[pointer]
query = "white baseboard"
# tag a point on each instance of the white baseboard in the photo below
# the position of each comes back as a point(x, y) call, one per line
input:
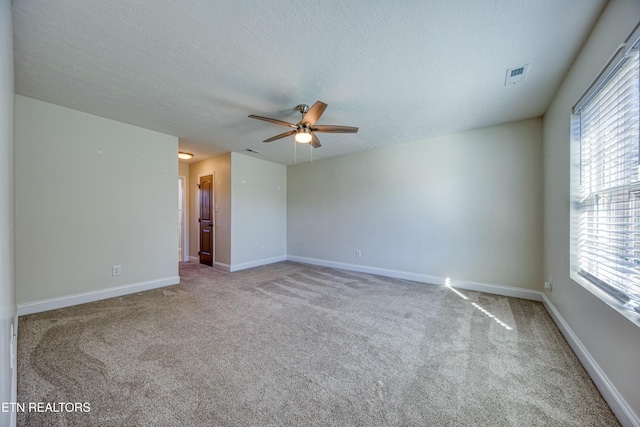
point(219, 265)
point(85, 297)
point(222, 266)
point(433, 280)
point(237, 267)
point(616, 402)
point(257, 263)
point(14, 372)
point(506, 291)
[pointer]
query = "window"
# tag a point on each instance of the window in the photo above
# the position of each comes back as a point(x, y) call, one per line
point(606, 190)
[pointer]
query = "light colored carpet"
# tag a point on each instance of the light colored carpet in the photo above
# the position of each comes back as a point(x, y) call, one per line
point(296, 345)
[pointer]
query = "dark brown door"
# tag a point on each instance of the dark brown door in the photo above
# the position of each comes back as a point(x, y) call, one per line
point(206, 220)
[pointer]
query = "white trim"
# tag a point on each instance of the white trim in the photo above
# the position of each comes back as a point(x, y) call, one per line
point(489, 288)
point(606, 297)
point(371, 270)
point(257, 263)
point(222, 266)
point(184, 233)
point(193, 259)
point(506, 291)
point(85, 297)
point(14, 372)
point(616, 402)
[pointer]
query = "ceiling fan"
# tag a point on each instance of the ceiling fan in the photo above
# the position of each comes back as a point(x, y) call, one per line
point(305, 129)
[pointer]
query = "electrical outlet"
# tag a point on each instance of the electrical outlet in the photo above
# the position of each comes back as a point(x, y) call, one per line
point(548, 285)
point(358, 253)
point(116, 270)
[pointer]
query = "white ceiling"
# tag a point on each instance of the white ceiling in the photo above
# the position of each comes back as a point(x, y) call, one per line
point(400, 71)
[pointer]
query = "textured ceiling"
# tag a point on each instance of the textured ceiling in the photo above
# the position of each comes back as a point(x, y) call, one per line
point(400, 71)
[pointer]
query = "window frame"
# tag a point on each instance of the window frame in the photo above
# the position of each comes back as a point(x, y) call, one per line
point(597, 287)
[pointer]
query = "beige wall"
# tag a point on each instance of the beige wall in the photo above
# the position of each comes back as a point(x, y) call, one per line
point(183, 169)
point(91, 193)
point(611, 340)
point(221, 167)
point(259, 215)
point(7, 219)
point(466, 205)
point(253, 232)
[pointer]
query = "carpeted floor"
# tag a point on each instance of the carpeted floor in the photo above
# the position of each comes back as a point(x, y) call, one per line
point(296, 345)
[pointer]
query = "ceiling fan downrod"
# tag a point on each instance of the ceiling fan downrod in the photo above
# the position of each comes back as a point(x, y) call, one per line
point(302, 108)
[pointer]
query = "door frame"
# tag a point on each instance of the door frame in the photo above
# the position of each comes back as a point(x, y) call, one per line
point(197, 215)
point(185, 218)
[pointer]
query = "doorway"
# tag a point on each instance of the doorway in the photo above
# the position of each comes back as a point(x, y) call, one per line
point(206, 220)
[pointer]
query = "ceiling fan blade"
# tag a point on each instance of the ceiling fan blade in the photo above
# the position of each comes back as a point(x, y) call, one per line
point(278, 122)
point(334, 129)
point(315, 142)
point(282, 135)
point(314, 113)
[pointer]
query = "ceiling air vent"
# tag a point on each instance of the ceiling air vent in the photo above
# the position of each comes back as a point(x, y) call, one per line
point(516, 75)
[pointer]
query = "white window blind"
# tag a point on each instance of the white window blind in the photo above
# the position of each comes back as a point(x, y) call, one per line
point(608, 205)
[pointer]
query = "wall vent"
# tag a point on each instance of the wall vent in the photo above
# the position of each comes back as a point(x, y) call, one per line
point(516, 75)
point(251, 150)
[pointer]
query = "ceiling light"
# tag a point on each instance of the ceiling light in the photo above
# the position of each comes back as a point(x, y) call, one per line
point(184, 156)
point(303, 135)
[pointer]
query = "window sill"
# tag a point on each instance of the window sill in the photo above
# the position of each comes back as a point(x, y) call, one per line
point(612, 302)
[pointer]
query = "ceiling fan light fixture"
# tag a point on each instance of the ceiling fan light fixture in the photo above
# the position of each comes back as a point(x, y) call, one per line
point(184, 156)
point(303, 136)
